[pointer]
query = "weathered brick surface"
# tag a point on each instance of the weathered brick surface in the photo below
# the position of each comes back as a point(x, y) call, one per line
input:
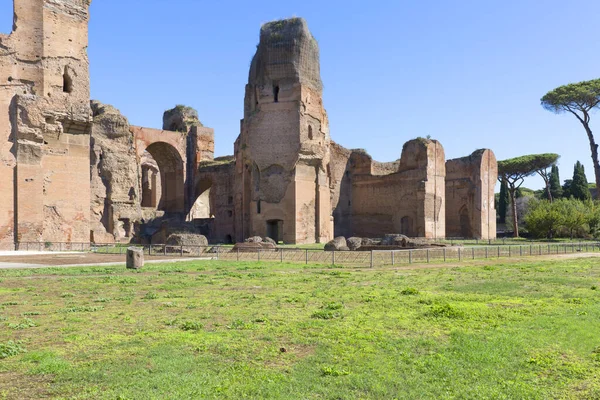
point(45, 123)
point(287, 179)
point(470, 186)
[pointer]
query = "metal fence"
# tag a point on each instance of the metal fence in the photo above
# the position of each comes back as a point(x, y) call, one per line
point(374, 258)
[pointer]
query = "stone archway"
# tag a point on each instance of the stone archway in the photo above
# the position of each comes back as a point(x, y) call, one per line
point(203, 206)
point(171, 172)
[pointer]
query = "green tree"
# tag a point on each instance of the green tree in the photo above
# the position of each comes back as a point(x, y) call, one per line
point(545, 161)
point(543, 219)
point(513, 171)
point(503, 201)
point(573, 214)
point(579, 187)
point(556, 190)
point(567, 188)
point(578, 99)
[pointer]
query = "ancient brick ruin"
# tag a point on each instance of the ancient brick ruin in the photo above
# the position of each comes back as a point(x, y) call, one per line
point(72, 170)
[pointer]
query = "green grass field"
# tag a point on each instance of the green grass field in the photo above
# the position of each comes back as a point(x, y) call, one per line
point(227, 330)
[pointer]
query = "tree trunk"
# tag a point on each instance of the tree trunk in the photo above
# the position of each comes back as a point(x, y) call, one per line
point(594, 148)
point(548, 189)
point(513, 200)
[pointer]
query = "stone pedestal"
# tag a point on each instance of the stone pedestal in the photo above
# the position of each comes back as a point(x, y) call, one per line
point(135, 258)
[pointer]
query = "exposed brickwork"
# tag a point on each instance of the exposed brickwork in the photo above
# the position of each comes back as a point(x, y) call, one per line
point(286, 180)
point(470, 184)
point(45, 122)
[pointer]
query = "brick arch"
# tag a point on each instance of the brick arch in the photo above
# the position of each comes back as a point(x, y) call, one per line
point(169, 151)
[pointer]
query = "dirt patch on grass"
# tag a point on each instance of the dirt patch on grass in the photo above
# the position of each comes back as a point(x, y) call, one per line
point(24, 387)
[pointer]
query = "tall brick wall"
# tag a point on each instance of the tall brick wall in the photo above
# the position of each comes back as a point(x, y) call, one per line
point(283, 149)
point(45, 123)
point(409, 200)
point(470, 187)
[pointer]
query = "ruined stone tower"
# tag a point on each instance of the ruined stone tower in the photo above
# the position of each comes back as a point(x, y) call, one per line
point(44, 123)
point(282, 154)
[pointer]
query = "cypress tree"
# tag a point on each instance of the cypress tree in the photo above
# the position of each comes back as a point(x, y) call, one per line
point(579, 187)
point(555, 189)
point(503, 202)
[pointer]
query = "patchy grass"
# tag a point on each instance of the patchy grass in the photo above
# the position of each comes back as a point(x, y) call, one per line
point(265, 330)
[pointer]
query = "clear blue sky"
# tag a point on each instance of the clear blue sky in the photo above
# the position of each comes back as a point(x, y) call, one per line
point(469, 73)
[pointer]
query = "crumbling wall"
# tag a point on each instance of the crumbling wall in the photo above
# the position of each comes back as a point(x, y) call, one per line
point(409, 201)
point(45, 123)
point(217, 178)
point(470, 187)
point(115, 189)
point(283, 147)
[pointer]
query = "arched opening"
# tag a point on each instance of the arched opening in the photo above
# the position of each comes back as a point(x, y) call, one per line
point(276, 93)
point(163, 178)
point(228, 239)
point(465, 223)
point(203, 207)
point(310, 133)
point(275, 229)
point(67, 81)
point(151, 185)
point(406, 226)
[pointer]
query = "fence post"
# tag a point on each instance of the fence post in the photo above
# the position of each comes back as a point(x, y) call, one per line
point(371, 258)
point(164, 249)
point(258, 253)
point(306, 256)
point(444, 254)
point(410, 256)
point(218, 251)
point(520, 250)
point(510, 251)
point(459, 256)
point(498, 251)
point(238, 254)
point(487, 252)
point(473, 251)
point(393, 259)
point(333, 258)
point(427, 256)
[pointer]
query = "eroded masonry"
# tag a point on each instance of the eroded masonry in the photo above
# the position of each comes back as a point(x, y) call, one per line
point(72, 170)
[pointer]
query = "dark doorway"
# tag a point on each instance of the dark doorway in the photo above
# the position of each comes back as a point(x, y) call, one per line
point(465, 223)
point(406, 226)
point(275, 230)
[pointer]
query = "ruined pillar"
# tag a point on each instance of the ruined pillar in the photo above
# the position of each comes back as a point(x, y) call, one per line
point(284, 143)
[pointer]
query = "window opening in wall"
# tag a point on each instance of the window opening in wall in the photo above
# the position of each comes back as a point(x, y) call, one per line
point(67, 82)
point(230, 200)
point(276, 93)
point(258, 207)
point(310, 132)
point(230, 214)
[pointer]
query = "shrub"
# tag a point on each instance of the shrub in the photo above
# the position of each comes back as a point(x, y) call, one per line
point(191, 326)
point(445, 311)
point(10, 349)
point(409, 292)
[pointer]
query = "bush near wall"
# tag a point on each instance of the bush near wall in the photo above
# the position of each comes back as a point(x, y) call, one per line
point(563, 218)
